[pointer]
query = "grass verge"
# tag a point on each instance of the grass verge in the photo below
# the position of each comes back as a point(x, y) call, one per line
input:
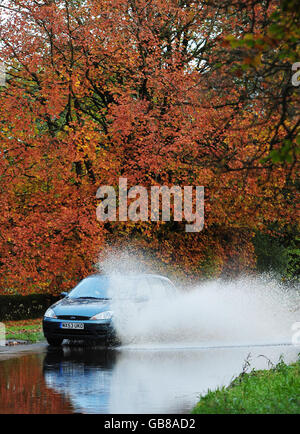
point(28, 330)
point(274, 391)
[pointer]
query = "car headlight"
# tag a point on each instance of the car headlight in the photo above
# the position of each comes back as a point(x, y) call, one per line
point(103, 315)
point(50, 313)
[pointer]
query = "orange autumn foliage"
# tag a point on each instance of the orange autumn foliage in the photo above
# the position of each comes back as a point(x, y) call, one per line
point(144, 90)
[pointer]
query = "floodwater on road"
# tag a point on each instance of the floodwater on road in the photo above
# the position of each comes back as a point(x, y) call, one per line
point(77, 379)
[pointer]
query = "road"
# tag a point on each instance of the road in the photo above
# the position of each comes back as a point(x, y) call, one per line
point(162, 379)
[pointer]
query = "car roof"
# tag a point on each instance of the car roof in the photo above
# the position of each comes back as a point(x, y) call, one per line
point(135, 276)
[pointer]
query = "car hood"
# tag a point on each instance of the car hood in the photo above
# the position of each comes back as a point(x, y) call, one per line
point(80, 307)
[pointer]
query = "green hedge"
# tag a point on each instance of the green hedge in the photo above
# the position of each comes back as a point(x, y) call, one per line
point(18, 307)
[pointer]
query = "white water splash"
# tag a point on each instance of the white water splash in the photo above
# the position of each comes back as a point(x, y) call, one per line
point(246, 310)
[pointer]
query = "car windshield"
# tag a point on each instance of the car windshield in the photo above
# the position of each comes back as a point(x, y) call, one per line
point(140, 288)
point(122, 287)
point(91, 287)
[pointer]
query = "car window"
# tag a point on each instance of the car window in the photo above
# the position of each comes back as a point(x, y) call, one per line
point(142, 289)
point(157, 287)
point(169, 287)
point(129, 287)
point(137, 288)
point(94, 286)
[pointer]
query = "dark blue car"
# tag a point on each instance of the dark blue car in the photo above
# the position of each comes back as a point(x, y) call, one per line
point(86, 312)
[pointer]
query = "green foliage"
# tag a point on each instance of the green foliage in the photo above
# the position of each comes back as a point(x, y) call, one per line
point(17, 307)
point(285, 153)
point(278, 254)
point(209, 266)
point(275, 391)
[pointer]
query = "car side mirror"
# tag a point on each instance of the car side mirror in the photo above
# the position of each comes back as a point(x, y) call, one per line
point(64, 294)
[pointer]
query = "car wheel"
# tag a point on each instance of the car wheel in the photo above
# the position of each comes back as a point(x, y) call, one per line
point(54, 342)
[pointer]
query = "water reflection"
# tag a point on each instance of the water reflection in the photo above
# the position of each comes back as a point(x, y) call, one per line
point(147, 380)
point(82, 374)
point(23, 389)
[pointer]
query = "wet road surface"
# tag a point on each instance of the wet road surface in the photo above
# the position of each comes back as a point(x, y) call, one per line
point(77, 379)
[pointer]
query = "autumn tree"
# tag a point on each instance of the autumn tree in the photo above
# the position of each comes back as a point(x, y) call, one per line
point(154, 91)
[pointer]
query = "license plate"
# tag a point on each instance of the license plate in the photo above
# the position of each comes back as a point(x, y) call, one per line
point(72, 325)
